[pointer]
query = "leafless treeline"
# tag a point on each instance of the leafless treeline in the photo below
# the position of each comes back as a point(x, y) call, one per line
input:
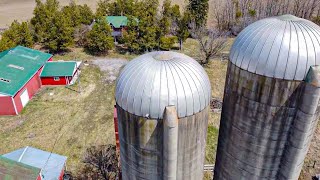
point(234, 15)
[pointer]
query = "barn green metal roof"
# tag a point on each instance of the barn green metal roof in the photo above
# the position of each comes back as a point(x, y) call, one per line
point(55, 69)
point(117, 21)
point(17, 66)
point(11, 170)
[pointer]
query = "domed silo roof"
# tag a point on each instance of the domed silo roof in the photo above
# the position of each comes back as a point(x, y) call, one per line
point(155, 80)
point(282, 47)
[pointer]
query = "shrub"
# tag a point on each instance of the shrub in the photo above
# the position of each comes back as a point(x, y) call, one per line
point(167, 42)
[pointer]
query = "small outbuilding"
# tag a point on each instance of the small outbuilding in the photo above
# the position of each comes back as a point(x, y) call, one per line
point(60, 73)
point(32, 164)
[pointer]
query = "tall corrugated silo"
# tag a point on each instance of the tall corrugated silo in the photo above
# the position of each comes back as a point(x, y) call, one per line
point(271, 100)
point(162, 106)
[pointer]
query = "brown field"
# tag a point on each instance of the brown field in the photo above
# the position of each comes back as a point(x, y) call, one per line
point(21, 10)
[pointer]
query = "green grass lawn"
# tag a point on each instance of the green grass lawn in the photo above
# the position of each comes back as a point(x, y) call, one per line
point(74, 120)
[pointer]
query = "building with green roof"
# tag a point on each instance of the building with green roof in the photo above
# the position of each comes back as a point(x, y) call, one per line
point(118, 24)
point(20, 70)
point(60, 73)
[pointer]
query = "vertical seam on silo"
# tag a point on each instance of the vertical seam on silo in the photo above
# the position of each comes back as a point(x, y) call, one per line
point(284, 31)
point(289, 50)
point(154, 76)
point(295, 73)
point(185, 98)
point(255, 35)
point(258, 42)
point(201, 75)
point(167, 77)
point(315, 31)
point(266, 63)
point(121, 79)
point(264, 44)
point(175, 87)
point(144, 88)
point(307, 49)
point(127, 81)
point(241, 41)
point(190, 75)
point(160, 113)
point(135, 93)
point(177, 65)
point(246, 40)
point(133, 77)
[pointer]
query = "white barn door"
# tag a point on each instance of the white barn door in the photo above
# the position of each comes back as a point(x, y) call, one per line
point(24, 98)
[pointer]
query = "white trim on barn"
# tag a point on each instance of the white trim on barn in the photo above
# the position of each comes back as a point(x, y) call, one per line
point(14, 105)
point(24, 97)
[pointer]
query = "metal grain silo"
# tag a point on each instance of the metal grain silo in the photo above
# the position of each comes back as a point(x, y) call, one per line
point(162, 106)
point(271, 100)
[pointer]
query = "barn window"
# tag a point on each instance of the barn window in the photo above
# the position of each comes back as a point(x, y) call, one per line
point(56, 78)
point(5, 80)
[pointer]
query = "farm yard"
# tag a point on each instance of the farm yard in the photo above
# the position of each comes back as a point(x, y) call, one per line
point(70, 122)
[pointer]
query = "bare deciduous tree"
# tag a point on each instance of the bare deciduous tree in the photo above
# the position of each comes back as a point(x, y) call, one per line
point(101, 162)
point(234, 15)
point(211, 42)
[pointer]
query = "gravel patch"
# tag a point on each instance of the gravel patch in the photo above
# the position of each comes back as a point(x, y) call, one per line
point(111, 67)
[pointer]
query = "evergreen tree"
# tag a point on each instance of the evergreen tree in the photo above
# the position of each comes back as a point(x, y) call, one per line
point(99, 39)
point(103, 8)
point(198, 10)
point(60, 36)
point(25, 35)
point(130, 36)
point(147, 26)
point(182, 31)
point(43, 16)
point(164, 22)
point(86, 14)
point(17, 34)
point(72, 13)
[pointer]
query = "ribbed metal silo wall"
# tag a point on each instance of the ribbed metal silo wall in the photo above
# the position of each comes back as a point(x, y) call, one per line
point(257, 115)
point(142, 146)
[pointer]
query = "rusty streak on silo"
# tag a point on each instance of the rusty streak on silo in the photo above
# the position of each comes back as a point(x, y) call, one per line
point(271, 100)
point(162, 104)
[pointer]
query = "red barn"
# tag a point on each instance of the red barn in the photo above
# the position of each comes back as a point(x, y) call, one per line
point(20, 70)
point(60, 73)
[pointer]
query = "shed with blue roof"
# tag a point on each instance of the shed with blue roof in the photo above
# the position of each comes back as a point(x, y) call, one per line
point(33, 164)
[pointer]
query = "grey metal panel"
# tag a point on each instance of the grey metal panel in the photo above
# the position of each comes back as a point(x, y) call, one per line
point(155, 80)
point(283, 47)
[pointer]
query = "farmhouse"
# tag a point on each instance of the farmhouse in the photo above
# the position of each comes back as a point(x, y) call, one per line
point(118, 24)
point(20, 70)
point(29, 163)
point(60, 73)
point(22, 73)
